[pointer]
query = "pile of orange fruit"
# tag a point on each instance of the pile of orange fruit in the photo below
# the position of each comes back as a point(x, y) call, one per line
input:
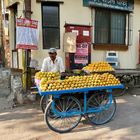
point(98, 67)
point(74, 82)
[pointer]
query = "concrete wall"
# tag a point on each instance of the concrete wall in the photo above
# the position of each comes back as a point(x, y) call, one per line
point(12, 30)
point(76, 14)
point(129, 58)
point(6, 98)
point(72, 11)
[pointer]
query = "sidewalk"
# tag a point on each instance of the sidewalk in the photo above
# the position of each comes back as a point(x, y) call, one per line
point(27, 123)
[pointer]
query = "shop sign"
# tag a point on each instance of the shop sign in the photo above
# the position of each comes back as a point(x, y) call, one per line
point(27, 34)
point(127, 5)
point(81, 55)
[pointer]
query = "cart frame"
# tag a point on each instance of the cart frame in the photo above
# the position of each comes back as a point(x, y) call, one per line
point(85, 109)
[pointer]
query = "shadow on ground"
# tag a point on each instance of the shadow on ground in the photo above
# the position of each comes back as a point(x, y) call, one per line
point(124, 126)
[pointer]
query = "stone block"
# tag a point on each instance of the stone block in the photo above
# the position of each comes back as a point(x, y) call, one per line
point(5, 104)
point(4, 92)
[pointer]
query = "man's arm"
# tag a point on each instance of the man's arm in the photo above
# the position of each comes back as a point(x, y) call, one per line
point(44, 66)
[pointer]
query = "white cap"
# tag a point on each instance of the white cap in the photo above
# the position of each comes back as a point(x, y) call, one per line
point(52, 50)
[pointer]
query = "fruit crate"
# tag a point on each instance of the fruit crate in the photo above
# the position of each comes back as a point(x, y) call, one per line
point(101, 72)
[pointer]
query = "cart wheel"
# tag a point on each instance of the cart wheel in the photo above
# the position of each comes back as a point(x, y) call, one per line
point(104, 106)
point(63, 114)
point(43, 102)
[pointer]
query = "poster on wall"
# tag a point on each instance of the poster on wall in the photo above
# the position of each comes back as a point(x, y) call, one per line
point(81, 55)
point(70, 42)
point(27, 34)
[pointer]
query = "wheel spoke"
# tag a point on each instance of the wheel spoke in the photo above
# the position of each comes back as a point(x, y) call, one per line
point(69, 122)
point(93, 103)
point(63, 105)
point(73, 105)
point(69, 104)
point(60, 104)
point(54, 121)
point(58, 107)
point(104, 113)
point(64, 123)
point(97, 101)
point(98, 98)
point(72, 120)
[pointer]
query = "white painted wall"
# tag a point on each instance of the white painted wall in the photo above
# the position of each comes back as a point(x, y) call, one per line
point(20, 7)
point(128, 59)
point(72, 11)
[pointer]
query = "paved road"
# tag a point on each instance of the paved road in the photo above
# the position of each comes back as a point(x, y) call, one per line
point(26, 123)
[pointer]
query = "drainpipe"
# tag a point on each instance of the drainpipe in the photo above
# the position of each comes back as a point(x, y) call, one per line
point(1, 36)
point(26, 54)
point(0, 24)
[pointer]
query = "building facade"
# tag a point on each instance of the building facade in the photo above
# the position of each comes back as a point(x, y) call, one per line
point(115, 26)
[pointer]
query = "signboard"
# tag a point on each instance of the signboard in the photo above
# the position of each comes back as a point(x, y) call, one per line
point(70, 42)
point(26, 34)
point(81, 55)
point(126, 5)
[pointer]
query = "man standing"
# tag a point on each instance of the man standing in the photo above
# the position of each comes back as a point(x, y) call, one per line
point(53, 63)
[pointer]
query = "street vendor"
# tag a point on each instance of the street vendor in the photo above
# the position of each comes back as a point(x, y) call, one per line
point(53, 63)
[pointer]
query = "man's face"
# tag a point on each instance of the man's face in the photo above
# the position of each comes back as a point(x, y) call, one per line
point(52, 55)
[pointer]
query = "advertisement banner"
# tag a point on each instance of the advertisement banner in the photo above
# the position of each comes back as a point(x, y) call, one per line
point(81, 55)
point(27, 34)
point(81, 59)
point(70, 42)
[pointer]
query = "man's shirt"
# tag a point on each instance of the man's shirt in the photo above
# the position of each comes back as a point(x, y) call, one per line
point(49, 66)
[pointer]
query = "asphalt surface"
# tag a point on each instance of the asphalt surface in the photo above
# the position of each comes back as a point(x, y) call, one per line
point(27, 123)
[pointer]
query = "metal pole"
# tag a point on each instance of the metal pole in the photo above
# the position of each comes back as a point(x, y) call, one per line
point(0, 23)
point(26, 53)
point(1, 36)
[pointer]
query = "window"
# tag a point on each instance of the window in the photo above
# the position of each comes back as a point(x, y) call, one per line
point(50, 26)
point(110, 27)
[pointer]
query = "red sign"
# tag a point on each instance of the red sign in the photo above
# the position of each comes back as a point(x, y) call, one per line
point(81, 59)
point(81, 55)
point(26, 33)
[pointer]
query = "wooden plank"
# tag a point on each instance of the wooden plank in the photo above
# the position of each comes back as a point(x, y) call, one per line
point(110, 47)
